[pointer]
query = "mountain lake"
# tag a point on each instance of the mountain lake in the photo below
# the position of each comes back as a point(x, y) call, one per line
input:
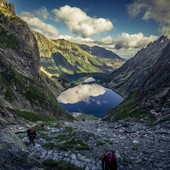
point(91, 99)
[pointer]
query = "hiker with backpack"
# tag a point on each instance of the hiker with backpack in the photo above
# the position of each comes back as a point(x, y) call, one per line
point(109, 161)
point(31, 133)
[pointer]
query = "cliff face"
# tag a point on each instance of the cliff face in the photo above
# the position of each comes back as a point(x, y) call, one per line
point(135, 71)
point(150, 95)
point(21, 85)
point(156, 89)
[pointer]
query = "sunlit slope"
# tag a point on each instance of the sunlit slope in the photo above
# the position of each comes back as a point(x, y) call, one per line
point(61, 56)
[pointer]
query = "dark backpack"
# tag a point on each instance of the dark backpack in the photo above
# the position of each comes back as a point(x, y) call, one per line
point(110, 156)
point(109, 161)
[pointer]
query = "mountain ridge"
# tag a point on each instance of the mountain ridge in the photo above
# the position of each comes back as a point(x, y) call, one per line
point(134, 72)
point(23, 89)
point(70, 58)
point(149, 100)
point(100, 51)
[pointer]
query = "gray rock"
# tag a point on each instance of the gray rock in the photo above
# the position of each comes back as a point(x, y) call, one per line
point(73, 156)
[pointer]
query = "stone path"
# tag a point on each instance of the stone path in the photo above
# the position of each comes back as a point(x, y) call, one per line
point(83, 143)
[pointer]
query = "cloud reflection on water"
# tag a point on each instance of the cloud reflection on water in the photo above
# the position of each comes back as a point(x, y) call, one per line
point(81, 93)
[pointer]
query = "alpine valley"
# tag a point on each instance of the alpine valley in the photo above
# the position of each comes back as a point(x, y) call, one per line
point(39, 75)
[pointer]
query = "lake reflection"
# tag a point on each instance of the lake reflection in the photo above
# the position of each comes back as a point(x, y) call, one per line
point(90, 99)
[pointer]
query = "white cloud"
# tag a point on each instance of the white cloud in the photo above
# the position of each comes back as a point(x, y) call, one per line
point(125, 45)
point(126, 53)
point(39, 25)
point(157, 10)
point(42, 12)
point(128, 41)
point(80, 23)
point(81, 93)
point(39, 13)
point(78, 40)
point(105, 40)
point(165, 29)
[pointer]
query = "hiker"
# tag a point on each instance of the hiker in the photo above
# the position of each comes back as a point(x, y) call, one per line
point(109, 161)
point(31, 133)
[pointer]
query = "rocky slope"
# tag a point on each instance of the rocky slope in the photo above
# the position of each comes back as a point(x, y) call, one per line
point(14, 154)
point(135, 71)
point(61, 56)
point(21, 85)
point(151, 98)
point(155, 91)
point(84, 143)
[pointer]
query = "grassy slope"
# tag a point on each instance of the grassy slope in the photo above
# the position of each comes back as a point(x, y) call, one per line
point(130, 108)
point(70, 58)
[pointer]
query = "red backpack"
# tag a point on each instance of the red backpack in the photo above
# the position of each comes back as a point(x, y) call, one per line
point(109, 156)
point(109, 161)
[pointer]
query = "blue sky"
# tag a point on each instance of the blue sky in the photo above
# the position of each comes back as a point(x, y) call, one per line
point(126, 24)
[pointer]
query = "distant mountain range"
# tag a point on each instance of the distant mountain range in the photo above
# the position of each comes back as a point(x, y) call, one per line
point(100, 52)
point(64, 57)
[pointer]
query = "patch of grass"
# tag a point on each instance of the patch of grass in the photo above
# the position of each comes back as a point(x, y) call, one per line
point(68, 141)
point(68, 129)
point(100, 143)
point(129, 108)
point(9, 92)
point(74, 144)
point(45, 136)
point(31, 116)
point(145, 152)
point(66, 134)
point(8, 40)
point(50, 145)
point(86, 117)
point(151, 120)
point(39, 127)
point(62, 137)
point(108, 141)
point(59, 165)
point(135, 147)
point(126, 160)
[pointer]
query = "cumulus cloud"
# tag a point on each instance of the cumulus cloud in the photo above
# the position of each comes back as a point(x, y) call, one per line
point(39, 13)
point(125, 45)
point(126, 53)
point(81, 93)
point(127, 41)
point(80, 23)
point(39, 25)
point(42, 12)
point(78, 40)
point(105, 40)
point(157, 10)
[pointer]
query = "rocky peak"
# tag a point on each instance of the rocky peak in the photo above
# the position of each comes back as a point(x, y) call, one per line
point(135, 71)
point(162, 38)
point(7, 8)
